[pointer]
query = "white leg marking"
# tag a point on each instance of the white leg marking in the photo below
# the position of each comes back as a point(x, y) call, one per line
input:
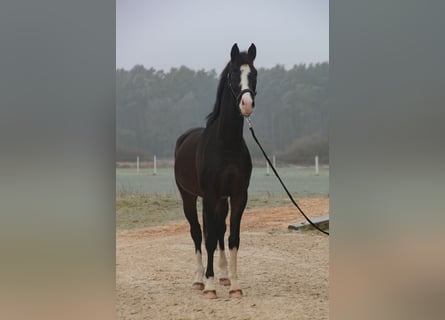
point(233, 270)
point(210, 284)
point(199, 269)
point(223, 265)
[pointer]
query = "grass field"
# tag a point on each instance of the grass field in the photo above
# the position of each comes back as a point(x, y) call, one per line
point(145, 199)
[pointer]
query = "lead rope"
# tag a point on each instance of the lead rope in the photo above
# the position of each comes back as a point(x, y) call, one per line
point(281, 181)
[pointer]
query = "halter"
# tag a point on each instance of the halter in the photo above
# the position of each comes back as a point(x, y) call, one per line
point(238, 97)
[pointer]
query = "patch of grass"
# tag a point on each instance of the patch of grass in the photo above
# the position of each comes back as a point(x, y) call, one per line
point(145, 210)
point(266, 201)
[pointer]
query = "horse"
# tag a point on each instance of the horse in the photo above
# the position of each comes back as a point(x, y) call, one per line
point(214, 163)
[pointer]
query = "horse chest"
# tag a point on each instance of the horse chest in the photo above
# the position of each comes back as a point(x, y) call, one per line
point(228, 181)
point(227, 177)
point(225, 163)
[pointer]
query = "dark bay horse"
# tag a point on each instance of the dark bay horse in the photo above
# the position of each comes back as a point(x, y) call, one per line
point(214, 163)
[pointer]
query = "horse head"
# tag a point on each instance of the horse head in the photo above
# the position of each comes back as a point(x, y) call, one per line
point(242, 78)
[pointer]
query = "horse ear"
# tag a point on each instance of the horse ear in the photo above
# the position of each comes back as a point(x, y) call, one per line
point(252, 52)
point(235, 52)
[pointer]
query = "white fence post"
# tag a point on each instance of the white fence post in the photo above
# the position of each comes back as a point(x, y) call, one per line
point(267, 168)
point(155, 170)
point(274, 162)
point(316, 166)
point(137, 164)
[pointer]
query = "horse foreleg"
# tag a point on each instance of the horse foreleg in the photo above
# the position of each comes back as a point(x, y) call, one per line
point(237, 204)
point(211, 239)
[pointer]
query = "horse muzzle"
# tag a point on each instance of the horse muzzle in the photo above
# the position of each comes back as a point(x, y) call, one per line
point(246, 102)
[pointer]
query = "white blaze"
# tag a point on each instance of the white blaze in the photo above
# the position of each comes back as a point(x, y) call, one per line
point(246, 103)
point(245, 70)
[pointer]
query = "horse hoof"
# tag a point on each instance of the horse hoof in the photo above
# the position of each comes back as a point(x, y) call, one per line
point(224, 282)
point(236, 293)
point(198, 286)
point(209, 294)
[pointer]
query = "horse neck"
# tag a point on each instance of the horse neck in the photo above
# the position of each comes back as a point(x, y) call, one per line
point(229, 123)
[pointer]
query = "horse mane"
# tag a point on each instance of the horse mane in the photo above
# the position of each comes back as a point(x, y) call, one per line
point(212, 116)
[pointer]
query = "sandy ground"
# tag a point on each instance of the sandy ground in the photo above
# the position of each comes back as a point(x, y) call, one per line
point(283, 274)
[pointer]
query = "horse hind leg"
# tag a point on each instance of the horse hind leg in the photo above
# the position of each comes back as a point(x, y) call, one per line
point(237, 205)
point(221, 212)
point(189, 206)
point(211, 241)
point(223, 268)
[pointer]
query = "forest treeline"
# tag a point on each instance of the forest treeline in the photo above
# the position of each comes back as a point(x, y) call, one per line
point(291, 110)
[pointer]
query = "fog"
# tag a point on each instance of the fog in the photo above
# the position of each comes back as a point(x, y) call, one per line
point(199, 34)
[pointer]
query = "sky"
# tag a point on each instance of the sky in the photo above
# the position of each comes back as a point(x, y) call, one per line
point(199, 34)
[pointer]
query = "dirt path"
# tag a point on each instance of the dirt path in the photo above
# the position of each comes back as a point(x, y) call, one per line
point(284, 274)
